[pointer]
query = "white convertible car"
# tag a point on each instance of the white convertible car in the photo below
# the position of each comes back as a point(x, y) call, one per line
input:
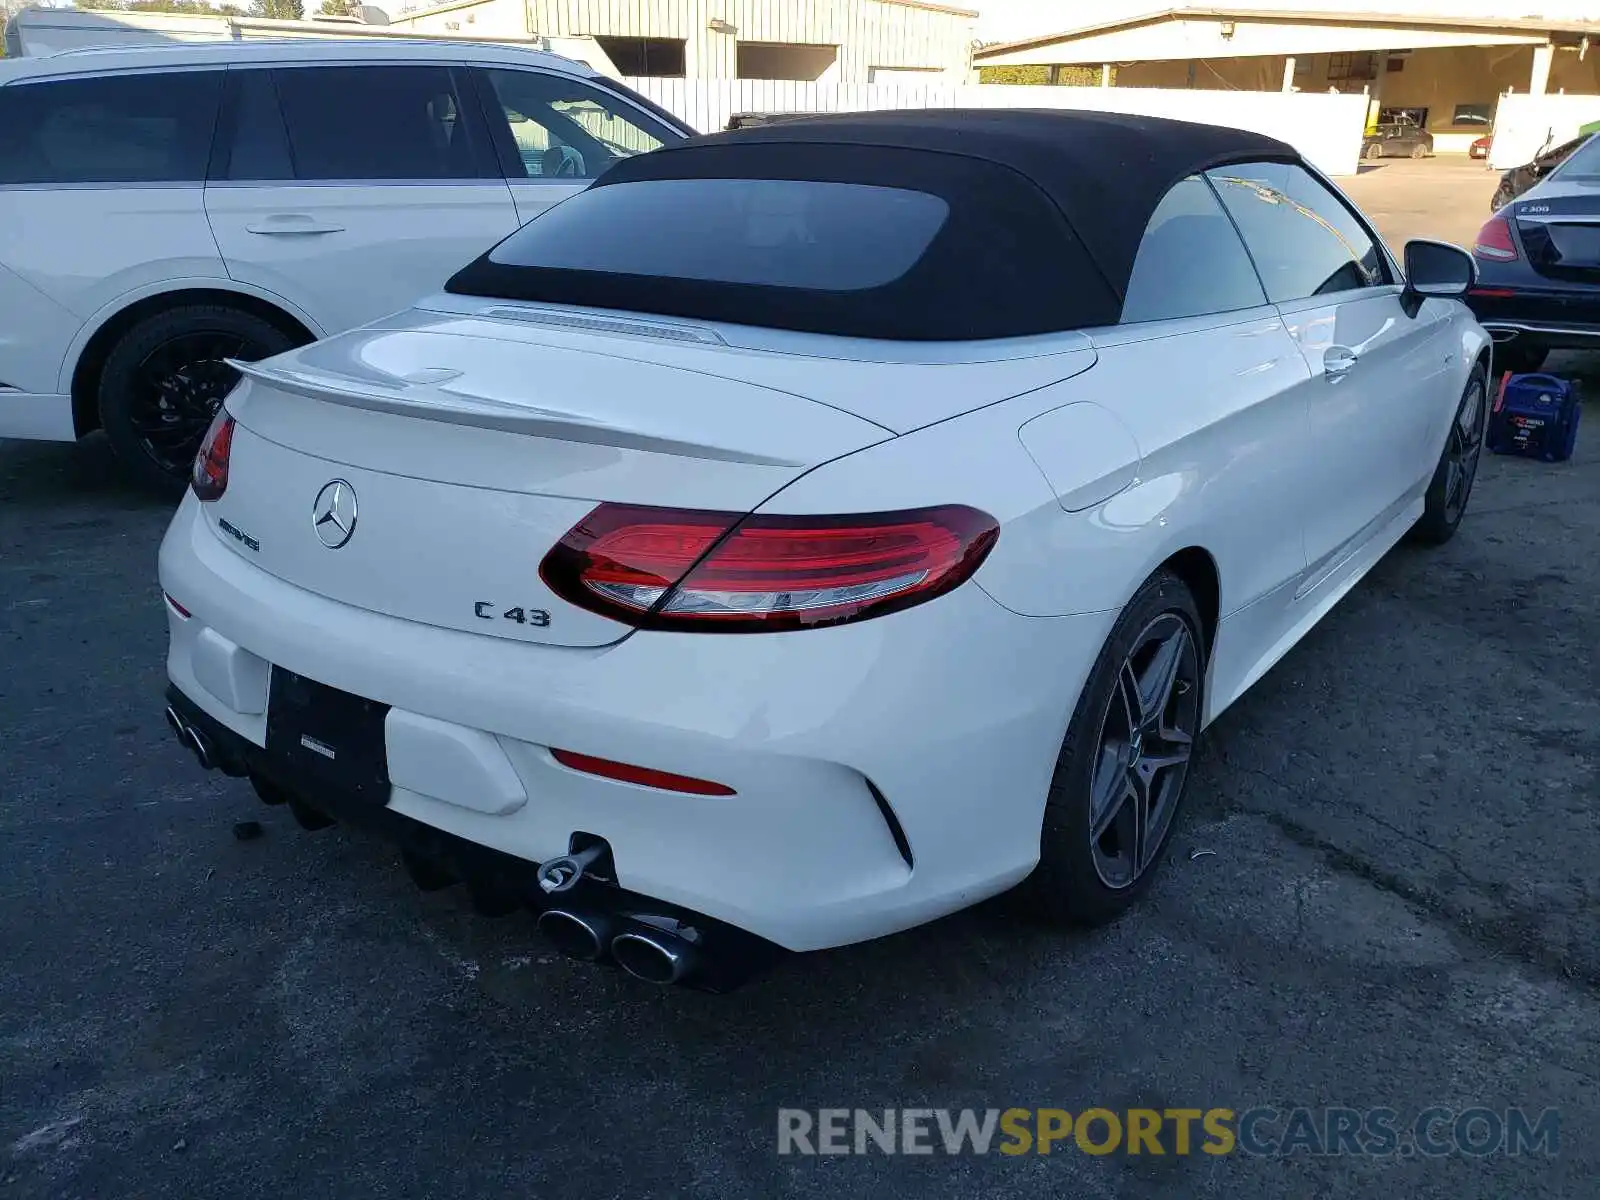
point(811, 530)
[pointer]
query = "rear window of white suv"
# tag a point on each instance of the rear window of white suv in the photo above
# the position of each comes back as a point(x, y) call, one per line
point(152, 127)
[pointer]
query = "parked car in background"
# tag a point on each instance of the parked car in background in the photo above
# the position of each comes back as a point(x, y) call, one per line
point(1519, 179)
point(186, 205)
point(1398, 141)
point(1481, 147)
point(1538, 258)
point(797, 535)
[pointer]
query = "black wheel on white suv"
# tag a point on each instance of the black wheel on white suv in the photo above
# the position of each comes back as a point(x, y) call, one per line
point(1124, 764)
point(165, 378)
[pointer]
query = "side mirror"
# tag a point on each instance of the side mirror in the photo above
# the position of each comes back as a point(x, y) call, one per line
point(1439, 269)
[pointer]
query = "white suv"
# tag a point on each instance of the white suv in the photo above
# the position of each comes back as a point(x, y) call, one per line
point(163, 209)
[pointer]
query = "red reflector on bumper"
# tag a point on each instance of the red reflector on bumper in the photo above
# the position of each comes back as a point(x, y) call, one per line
point(644, 776)
point(177, 608)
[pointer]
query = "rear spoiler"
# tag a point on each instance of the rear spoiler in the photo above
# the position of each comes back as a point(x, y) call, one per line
point(424, 397)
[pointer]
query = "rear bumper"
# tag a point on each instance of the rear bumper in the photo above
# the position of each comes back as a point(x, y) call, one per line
point(35, 416)
point(1550, 336)
point(885, 773)
point(1556, 319)
point(728, 956)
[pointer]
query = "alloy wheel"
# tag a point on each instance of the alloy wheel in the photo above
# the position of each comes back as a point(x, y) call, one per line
point(1464, 450)
point(177, 389)
point(1146, 739)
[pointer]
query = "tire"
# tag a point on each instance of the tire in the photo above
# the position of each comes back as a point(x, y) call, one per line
point(1519, 360)
point(1451, 487)
point(1419, 151)
point(1373, 151)
point(164, 379)
point(1077, 881)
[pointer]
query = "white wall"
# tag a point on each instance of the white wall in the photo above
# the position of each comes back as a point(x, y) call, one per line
point(868, 33)
point(1524, 126)
point(1014, 20)
point(1326, 129)
point(1193, 38)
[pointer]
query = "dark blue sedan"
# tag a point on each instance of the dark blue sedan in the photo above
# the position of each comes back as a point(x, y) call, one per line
point(1538, 285)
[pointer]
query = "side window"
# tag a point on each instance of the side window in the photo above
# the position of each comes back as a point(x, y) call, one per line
point(1191, 260)
point(150, 128)
point(1304, 240)
point(377, 122)
point(257, 142)
point(558, 128)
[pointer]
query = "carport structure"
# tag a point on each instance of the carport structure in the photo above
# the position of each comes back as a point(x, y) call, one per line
point(1445, 73)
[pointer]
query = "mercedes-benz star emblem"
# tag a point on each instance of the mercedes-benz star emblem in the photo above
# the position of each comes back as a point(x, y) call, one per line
point(333, 516)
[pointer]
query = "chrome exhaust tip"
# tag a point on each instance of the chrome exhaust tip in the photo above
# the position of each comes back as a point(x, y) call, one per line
point(651, 958)
point(201, 745)
point(175, 723)
point(574, 936)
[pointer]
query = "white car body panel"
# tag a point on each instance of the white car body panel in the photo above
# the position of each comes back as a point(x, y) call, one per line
point(789, 720)
point(1383, 411)
point(53, 288)
point(901, 386)
point(647, 434)
point(323, 246)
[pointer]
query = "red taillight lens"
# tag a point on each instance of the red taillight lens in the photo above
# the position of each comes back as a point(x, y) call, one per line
point(1494, 241)
point(644, 776)
point(210, 477)
point(717, 572)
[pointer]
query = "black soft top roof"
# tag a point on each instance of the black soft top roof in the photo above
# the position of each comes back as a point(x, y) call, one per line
point(1047, 210)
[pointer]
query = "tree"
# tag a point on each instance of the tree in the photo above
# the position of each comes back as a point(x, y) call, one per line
point(198, 8)
point(280, 10)
point(1040, 75)
point(341, 8)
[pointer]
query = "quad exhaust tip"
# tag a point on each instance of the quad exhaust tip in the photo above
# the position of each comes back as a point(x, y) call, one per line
point(651, 958)
point(575, 936)
point(197, 742)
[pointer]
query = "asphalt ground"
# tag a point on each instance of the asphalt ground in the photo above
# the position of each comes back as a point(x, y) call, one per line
point(1382, 895)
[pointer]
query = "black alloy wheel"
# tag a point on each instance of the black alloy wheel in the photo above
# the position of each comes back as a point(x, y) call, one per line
point(165, 378)
point(1123, 766)
point(1146, 738)
point(177, 389)
point(1464, 450)
point(1451, 488)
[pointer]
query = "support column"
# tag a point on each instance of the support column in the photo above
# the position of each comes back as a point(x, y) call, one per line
point(1543, 57)
point(1288, 73)
point(1105, 75)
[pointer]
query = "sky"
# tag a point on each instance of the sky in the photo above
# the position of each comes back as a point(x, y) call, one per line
point(1013, 20)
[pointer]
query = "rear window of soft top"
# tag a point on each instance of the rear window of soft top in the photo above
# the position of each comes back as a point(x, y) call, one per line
point(785, 233)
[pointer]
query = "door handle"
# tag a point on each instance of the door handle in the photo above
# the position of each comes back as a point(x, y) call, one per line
point(291, 226)
point(1337, 361)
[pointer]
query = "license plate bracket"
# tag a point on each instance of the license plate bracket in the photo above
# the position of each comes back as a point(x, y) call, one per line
point(322, 738)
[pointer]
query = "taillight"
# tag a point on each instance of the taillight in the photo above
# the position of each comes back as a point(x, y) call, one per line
point(210, 477)
point(1494, 241)
point(658, 568)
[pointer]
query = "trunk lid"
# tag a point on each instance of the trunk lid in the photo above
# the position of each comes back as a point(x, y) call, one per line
point(900, 386)
point(465, 455)
point(1561, 235)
